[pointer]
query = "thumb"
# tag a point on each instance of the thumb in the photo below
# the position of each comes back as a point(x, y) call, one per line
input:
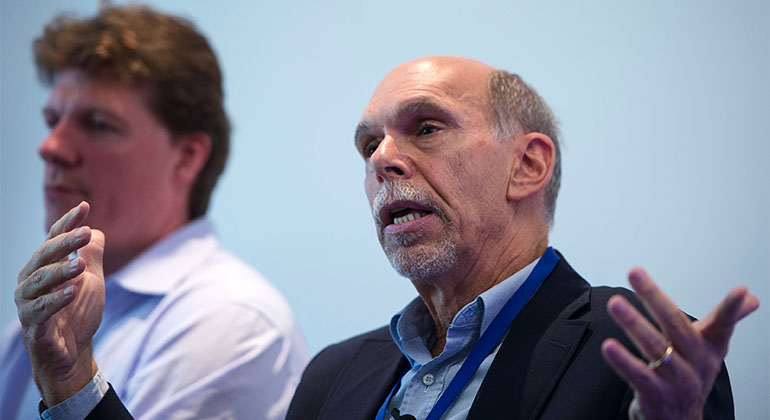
point(717, 326)
point(93, 253)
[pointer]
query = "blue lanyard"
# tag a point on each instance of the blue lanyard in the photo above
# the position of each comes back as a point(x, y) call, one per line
point(489, 339)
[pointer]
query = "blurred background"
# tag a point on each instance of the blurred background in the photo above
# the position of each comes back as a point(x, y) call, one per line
point(664, 110)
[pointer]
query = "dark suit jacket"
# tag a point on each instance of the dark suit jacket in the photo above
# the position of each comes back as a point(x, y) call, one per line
point(110, 407)
point(548, 367)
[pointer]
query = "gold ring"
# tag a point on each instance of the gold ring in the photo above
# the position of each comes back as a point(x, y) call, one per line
point(662, 360)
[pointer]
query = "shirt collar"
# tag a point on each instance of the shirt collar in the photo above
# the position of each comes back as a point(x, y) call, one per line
point(158, 268)
point(497, 296)
point(412, 328)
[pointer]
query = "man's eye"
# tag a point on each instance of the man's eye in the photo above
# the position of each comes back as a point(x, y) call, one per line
point(370, 148)
point(97, 124)
point(51, 121)
point(427, 130)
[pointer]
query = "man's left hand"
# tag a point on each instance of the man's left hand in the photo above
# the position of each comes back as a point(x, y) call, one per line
point(677, 382)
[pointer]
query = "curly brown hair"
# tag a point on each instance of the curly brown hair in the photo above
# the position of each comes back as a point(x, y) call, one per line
point(142, 47)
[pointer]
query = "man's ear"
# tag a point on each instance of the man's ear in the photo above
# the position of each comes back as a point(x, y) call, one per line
point(194, 150)
point(534, 159)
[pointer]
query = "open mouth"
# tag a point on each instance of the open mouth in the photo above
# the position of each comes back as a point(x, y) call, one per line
point(399, 216)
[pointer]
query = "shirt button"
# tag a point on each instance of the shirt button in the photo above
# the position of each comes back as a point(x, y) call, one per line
point(428, 379)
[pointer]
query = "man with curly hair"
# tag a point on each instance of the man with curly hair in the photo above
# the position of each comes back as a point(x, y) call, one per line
point(138, 138)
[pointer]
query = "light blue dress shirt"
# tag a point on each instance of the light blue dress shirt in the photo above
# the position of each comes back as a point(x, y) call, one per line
point(79, 405)
point(188, 332)
point(414, 333)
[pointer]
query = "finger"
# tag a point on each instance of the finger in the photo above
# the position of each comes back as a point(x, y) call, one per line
point(55, 250)
point(646, 337)
point(718, 325)
point(70, 220)
point(750, 304)
point(47, 278)
point(39, 310)
point(737, 305)
point(671, 319)
point(641, 332)
point(639, 377)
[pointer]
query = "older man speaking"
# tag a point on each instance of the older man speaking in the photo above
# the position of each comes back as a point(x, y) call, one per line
point(462, 174)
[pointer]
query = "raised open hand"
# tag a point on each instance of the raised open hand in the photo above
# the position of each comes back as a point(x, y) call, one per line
point(60, 299)
point(685, 357)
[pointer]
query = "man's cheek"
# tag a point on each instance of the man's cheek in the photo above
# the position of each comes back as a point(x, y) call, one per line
point(370, 187)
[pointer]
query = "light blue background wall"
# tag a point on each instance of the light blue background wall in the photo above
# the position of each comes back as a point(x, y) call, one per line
point(663, 105)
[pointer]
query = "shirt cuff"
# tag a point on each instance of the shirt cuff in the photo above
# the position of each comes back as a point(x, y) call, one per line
point(79, 405)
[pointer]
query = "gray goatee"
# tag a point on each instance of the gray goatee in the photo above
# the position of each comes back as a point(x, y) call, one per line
point(411, 254)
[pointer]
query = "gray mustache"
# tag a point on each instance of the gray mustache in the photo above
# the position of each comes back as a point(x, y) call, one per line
point(400, 190)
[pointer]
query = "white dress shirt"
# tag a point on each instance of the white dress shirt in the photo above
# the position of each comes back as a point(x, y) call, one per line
point(188, 332)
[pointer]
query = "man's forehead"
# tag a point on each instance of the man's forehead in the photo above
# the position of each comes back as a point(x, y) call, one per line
point(441, 67)
point(429, 81)
point(74, 87)
point(449, 75)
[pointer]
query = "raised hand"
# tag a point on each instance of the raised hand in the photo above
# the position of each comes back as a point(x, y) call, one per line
point(60, 300)
point(685, 357)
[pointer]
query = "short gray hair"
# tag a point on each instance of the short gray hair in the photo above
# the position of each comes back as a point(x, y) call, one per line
point(516, 109)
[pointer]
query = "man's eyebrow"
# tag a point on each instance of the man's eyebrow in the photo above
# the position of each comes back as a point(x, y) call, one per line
point(361, 129)
point(89, 109)
point(420, 107)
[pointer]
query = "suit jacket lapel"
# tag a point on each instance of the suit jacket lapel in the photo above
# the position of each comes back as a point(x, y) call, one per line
point(536, 349)
point(366, 381)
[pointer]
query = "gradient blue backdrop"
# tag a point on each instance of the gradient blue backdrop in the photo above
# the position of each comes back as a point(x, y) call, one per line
point(663, 106)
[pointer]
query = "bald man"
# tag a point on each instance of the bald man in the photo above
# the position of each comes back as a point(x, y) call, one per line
point(462, 174)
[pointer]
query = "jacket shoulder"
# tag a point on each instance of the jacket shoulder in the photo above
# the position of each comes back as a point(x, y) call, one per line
point(321, 375)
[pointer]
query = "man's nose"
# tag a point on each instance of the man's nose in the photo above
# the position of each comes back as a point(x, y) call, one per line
point(59, 146)
point(390, 162)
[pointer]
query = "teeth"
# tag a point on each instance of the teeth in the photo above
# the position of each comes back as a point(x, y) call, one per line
point(409, 217)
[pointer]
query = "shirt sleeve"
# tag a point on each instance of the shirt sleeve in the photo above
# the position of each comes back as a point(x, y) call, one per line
point(79, 405)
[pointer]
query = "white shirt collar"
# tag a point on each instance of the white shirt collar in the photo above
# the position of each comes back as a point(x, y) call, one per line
point(158, 268)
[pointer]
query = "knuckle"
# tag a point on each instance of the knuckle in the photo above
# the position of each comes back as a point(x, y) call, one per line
point(35, 278)
point(30, 265)
point(17, 295)
point(25, 286)
point(40, 305)
point(34, 281)
point(64, 269)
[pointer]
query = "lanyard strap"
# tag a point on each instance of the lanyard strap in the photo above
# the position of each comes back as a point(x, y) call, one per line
point(489, 339)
